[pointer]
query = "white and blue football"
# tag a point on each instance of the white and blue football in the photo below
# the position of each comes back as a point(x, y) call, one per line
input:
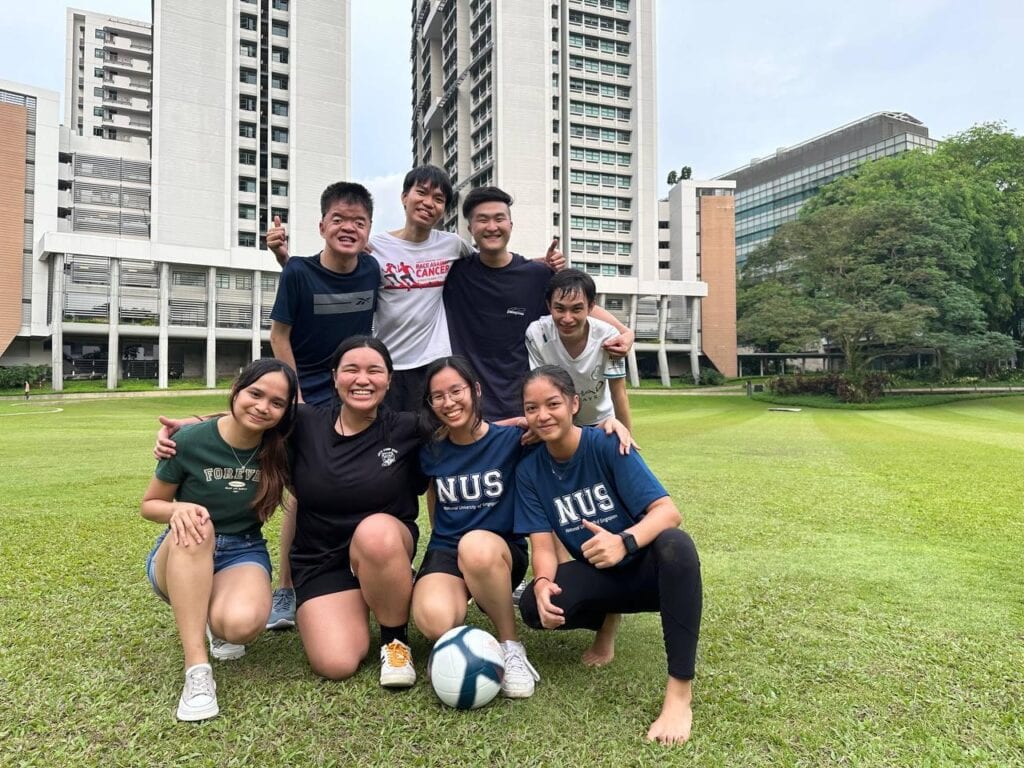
point(466, 667)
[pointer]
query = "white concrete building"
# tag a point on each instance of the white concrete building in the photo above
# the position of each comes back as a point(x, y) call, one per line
point(556, 104)
point(187, 288)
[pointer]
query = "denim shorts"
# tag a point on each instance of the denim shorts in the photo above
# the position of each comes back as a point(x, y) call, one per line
point(229, 550)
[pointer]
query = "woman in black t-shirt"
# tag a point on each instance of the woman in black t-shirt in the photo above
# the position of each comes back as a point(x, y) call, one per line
point(356, 477)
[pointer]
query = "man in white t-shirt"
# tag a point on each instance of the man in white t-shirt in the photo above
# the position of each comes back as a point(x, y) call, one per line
point(571, 338)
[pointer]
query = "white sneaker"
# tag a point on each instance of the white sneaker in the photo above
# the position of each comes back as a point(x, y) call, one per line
point(222, 650)
point(199, 697)
point(396, 669)
point(520, 676)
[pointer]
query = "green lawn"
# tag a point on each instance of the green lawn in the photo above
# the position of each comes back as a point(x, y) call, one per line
point(863, 607)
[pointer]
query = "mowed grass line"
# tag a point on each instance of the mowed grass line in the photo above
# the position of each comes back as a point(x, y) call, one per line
point(862, 607)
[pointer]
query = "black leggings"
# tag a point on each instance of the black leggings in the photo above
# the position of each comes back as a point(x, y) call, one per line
point(663, 577)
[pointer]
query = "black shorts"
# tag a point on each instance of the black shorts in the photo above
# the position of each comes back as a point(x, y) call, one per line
point(447, 561)
point(322, 580)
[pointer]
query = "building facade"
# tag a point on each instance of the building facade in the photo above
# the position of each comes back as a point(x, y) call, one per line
point(155, 266)
point(556, 104)
point(771, 190)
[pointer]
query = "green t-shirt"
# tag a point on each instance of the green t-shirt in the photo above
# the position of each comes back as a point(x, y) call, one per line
point(209, 473)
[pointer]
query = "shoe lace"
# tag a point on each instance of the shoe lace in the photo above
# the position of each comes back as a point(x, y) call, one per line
point(282, 602)
point(200, 683)
point(397, 654)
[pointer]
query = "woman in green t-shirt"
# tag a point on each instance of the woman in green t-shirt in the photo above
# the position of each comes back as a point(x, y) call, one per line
point(211, 563)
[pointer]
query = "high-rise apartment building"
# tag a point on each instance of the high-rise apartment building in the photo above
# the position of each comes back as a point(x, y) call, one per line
point(771, 190)
point(555, 103)
point(153, 268)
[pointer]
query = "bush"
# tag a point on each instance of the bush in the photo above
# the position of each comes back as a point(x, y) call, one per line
point(862, 390)
point(710, 377)
point(15, 376)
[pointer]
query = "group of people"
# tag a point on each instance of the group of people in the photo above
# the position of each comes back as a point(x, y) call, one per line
point(441, 382)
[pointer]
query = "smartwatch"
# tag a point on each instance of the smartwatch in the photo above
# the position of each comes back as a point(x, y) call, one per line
point(630, 542)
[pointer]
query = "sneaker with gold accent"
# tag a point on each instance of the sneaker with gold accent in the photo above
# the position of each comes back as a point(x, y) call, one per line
point(396, 669)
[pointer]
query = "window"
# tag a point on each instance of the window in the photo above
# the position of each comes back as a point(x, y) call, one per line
point(246, 211)
point(247, 48)
point(279, 55)
point(278, 80)
point(280, 5)
point(247, 76)
point(98, 111)
point(247, 239)
point(247, 21)
point(247, 130)
point(243, 282)
point(282, 212)
point(268, 282)
point(277, 161)
point(97, 132)
point(97, 92)
point(247, 103)
point(246, 184)
point(223, 280)
point(279, 188)
point(279, 28)
point(100, 34)
point(182, 277)
point(279, 134)
point(99, 53)
point(279, 108)
point(246, 157)
point(98, 71)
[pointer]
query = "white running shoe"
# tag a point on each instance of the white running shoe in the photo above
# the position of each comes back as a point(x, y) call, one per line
point(520, 676)
point(199, 697)
point(222, 650)
point(396, 669)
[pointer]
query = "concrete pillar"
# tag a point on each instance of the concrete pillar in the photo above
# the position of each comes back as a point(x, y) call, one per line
point(632, 368)
point(695, 345)
point(163, 312)
point(113, 336)
point(211, 327)
point(257, 313)
point(57, 324)
point(666, 379)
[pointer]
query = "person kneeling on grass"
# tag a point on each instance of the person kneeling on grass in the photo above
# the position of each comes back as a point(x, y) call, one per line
point(211, 562)
point(620, 526)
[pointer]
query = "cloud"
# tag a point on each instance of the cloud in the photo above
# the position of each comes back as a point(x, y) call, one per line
point(388, 212)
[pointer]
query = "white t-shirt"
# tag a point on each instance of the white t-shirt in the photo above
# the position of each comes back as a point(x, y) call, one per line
point(589, 371)
point(410, 316)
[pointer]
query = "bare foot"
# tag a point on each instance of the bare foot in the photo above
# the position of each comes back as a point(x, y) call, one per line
point(602, 651)
point(676, 719)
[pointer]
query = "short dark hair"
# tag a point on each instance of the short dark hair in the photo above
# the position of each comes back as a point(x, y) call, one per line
point(484, 195)
point(346, 192)
point(433, 177)
point(557, 375)
point(355, 342)
point(569, 282)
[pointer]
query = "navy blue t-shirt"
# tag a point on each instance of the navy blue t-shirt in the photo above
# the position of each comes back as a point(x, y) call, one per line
point(597, 483)
point(474, 485)
point(323, 309)
point(488, 312)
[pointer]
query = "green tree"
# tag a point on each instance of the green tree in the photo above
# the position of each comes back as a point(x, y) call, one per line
point(685, 172)
point(673, 178)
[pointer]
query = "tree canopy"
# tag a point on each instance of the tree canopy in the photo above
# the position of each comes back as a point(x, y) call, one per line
point(914, 251)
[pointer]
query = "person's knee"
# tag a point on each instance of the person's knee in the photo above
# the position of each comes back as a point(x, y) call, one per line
point(189, 548)
point(675, 547)
point(480, 553)
point(336, 666)
point(433, 620)
point(528, 608)
point(242, 622)
point(378, 541)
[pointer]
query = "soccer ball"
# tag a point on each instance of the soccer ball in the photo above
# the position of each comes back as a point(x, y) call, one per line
point(466, 667)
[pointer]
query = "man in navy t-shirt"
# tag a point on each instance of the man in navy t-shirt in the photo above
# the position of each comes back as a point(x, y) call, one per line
point(324, 299)
point(492, 297)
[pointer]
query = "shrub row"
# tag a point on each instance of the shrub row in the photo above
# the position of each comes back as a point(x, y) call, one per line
point(860, 390)
point(15, 376)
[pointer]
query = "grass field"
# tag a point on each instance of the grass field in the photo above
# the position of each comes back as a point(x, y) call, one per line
point(863, 607)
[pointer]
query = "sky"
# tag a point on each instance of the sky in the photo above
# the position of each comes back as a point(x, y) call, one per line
point(736, 80)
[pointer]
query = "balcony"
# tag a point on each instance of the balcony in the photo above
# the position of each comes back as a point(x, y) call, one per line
point(127, 103)
point(123, 82)
point(432, 24)
point(433, 116)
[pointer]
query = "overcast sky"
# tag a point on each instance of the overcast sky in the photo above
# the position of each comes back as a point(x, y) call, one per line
point(736, 80)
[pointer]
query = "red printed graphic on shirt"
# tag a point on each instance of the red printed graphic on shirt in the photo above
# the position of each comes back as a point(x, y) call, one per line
point(424, 274)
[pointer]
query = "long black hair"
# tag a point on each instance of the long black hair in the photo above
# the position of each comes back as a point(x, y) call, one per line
point(273, 455)
point(430, 425)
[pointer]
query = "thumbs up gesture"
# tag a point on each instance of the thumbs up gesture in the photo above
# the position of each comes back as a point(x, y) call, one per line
point(277, 241)
point(603, 549)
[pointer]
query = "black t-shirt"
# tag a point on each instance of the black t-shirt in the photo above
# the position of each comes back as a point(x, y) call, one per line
point(488, 312)
point(339, 481)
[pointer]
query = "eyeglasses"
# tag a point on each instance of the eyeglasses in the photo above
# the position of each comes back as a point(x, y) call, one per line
point(438, 398)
